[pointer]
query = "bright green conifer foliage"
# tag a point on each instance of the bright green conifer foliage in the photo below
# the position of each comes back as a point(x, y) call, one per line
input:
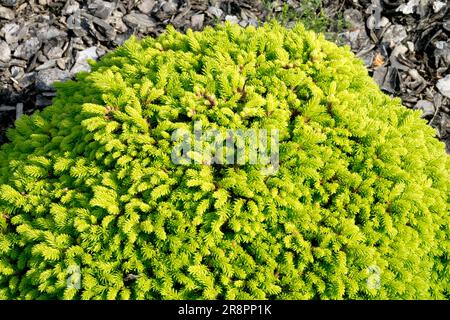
point(362, 190)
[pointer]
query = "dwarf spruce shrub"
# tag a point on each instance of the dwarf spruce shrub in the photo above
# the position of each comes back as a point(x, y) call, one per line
point(93, 207)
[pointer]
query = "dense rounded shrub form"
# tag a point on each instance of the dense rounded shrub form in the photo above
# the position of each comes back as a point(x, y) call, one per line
point(92, 205)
